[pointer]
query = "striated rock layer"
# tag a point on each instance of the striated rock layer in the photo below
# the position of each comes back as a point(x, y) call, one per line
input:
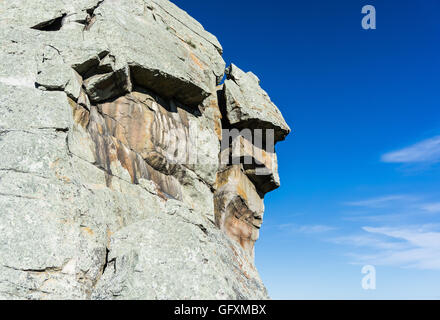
point(127, 171)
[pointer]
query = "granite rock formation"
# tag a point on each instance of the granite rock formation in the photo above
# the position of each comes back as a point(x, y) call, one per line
point(119, 175)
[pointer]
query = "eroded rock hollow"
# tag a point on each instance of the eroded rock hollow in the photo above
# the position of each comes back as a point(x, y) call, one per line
point(128, 170)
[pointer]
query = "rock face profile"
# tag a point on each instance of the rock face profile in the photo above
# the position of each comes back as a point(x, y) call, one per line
point(128, 169)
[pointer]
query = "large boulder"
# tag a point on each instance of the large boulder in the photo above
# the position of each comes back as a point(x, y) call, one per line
point(111, 119)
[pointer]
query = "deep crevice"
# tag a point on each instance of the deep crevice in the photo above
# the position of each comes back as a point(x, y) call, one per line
point(204, 230)
point(51, 25)
point(91, 11)
point(108, 262)
point(91, 17)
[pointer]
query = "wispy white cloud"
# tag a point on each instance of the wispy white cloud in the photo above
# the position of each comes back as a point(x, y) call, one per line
point(392, 207)
point(316, 229)
point(414, 244)
point(432, 207)
point(307, 229)
point(426, 151)
point(368, 241)
point(379, 218)
point(417, 235)
point(408, 246)
point(379, 202)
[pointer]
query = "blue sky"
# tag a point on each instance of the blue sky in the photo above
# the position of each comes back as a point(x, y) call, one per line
point(360, 173)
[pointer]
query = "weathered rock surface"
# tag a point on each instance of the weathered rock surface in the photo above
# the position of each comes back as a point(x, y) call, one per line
point(111, 184)
point(249, 106)
point(239, 208)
